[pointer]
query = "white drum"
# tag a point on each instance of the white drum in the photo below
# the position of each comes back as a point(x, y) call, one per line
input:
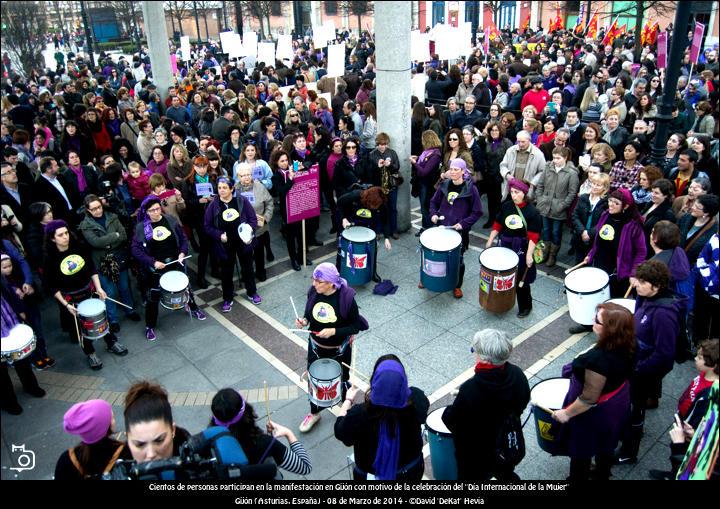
point(325, 383)
point(93, 319)
point(628, 304)
point(245, 232)
point(18, 344)
point(586, 288)
point(174, 285)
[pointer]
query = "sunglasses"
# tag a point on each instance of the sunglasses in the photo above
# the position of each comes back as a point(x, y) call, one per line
point(453, 139)
point(350, 147)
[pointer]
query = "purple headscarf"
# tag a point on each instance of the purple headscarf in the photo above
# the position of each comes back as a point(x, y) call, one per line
point(389, 388)
point(328, 272)
point(144, 217)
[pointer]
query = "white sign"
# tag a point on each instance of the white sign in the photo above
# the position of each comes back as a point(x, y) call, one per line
point(250, 44)
point(226, 40)
point(419, 46)
point(266, 53)
point(323, 34)
point(236, 47)
point(185, 48)
point(336, 60)
point(284, 48)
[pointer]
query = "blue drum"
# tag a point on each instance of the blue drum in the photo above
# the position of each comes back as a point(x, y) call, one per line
point(442, 447)
point(545, 397)
point(440, 261)
point(357, 255)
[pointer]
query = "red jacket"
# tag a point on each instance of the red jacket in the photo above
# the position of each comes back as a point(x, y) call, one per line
point(539, 99)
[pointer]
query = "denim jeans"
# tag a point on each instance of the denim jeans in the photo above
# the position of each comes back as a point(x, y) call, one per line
point(122, 287)
point(552, 230)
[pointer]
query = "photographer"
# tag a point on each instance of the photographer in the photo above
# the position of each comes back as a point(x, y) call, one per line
point(115, 195)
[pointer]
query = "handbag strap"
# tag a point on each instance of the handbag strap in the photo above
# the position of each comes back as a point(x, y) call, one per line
point(699, 234)
point(521, 217)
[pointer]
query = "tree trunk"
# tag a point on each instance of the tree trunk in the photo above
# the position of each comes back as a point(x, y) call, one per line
point(359, 25)
point(207, 32)
point(269, 32)
point(639, 15)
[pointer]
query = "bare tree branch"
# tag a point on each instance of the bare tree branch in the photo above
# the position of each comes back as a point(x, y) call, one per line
point(24, 34)
point(357, 8)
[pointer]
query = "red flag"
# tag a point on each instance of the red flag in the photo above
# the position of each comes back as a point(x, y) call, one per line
point(621, 30)
point(592, 27)
point(611, 34)
point(526, 24)
point(653, 34)
point(559, 25)
point(494, 32)
point(644, 34)
point(551, 28)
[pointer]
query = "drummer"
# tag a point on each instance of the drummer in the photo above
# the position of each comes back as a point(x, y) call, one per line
point(224, 218)
point(73, 278)
point(456, 204)
point(519, 225)
point(333, 316)
point(11, 314)
point(367, 208)
point(159, 240)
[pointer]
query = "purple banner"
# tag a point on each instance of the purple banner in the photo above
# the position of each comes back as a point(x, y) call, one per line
point(303, 199)
point(696, 42)
point(173, 63)
point(662, 50)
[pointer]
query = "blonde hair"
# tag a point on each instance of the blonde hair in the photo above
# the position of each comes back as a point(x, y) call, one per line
point(174, 161)
point(589, 98)
point(430, 140)
point(134, 165)
point(602, 179)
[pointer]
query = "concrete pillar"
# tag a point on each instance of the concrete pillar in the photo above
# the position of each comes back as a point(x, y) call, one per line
point(315, 13)
point(392, 39)
point(157, 39)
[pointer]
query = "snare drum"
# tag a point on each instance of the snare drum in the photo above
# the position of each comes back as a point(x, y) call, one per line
point(93, 319)
point(174, 286)
point(498, 279)
point(357, 252)
point(548, 394)
point(440, 259)
point(325, 383)
point(18, 344)
point(442, 447)
point(586, 288)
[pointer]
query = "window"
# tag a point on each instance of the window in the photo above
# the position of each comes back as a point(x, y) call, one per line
point(438, 13)
point(331, 8)
point(276, 9)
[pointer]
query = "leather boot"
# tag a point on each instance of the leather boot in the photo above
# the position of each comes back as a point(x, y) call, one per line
point(552, 255)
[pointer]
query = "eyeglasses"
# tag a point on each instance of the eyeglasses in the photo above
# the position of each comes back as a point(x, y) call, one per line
point(154, 209)
point(597, 321)
point(453, 139)
point(349, 147)
point(293, 114)
point(92, 209)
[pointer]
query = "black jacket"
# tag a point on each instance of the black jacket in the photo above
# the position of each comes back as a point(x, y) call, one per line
point(663, 212)
point(20, 210)
point(45, 191)
point(344, 175)
point(582, 212)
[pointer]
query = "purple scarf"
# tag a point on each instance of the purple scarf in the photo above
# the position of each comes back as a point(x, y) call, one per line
point(427, 153)
point(328, 272)
point(144, 217)
point(352, 160)
point(82, 183)
point(9, 317)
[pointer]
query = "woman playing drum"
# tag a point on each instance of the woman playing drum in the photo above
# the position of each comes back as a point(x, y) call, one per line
point(385, 428)
point(333, 316)
point(457, 201)
point(159, 240)
point(73, 278)
point(519, 225)
point(223, 219)
point(598, 401)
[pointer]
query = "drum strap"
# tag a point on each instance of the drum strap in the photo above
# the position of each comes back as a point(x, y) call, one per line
point(521, 217)
point(267, 451)
point(401, 471)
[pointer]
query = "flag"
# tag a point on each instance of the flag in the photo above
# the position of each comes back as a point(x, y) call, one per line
point(622, 30)
point(494, 32)
point(580, 21)
point(526, 24)
point(644, 34)
point(592, 27)
point(653, 33)
point(559, 25)
point(611, 34)
point(551, 27)
point(696, 42)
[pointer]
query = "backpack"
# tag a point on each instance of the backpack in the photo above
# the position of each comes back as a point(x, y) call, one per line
point(509, 442)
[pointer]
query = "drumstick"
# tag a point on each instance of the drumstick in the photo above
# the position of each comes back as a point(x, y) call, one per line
point(543, 408)
point(628, 291)
point(568, 271)
point(522, 281)
point(116, 302)
point(175, 261)
point(267, 400)
point(361, 375)
point(77, 329)
point(294, 308)
point(303, 330)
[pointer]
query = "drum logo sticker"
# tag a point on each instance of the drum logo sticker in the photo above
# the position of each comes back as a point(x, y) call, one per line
point(504, 283)
point(452, 197)
point(230, 215)
point(514, 222)
point(327, 393)
point(485, 280)
point(607, 233)
point(434, 269)
point(161, 233)
point(364, 213)
point(359, 261)
point(72, 264)
point(324, 313)
point(545, 428)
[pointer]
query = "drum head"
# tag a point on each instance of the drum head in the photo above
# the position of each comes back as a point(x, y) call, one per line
point(440, 239)
point(325, 369)
point(358, 234)
point(499, 259)
point(91, 307)
point(628, 304)
point(434, 422)
point(19, 336)
point(586, 280)
point(174, 281)
point(550, 393)
point(245, 232)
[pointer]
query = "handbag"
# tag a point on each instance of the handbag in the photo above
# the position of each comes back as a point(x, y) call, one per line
point(110, 268)
point(396, 180)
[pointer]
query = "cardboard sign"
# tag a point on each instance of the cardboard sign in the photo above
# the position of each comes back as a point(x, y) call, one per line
point(185, 48)
point(204, 190)
point(250, 44)
point(266, 53)
point(284, 49)
point(303, 199)
point(336, 60)
point(419, 46)
point(173, 63)
point(250, 196)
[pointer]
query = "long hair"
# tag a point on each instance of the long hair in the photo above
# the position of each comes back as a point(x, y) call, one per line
point(618, 329)
point(462, 146)
point(226, 405)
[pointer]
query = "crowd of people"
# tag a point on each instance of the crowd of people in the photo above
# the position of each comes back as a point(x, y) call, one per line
point(106, 186)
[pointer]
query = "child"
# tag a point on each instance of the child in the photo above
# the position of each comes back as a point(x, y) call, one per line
point(138, 181)
point(171, 200)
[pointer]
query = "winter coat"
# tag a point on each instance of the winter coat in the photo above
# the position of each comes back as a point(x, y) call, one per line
point(657, 322)
point(262, 202)
point(140, 249)
point(212, 226)
point(533, 169)
point(631, 250)
point(111, 239)
point(465, 209)
point(556, 191)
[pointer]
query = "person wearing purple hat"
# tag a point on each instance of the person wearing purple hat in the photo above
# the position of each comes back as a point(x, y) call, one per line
point(619, 245)
point(333, 316)
point(93, 421)
point(457, 201)
point(385, 429)
point(519, 224)
point(72, 278)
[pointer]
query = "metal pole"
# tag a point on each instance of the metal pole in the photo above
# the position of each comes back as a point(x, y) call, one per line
point(197, 23)
point(674, 62)
point(136, 28)
point(88, 35)
point(238, 18)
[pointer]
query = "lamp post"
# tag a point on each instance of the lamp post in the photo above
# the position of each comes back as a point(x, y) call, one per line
point(88, 35)
point(674, 62)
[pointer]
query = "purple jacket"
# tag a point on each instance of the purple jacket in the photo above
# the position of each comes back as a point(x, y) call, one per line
point(631, 251)
point(327, 119)
point(466, 209)
point(657, 323)
point(140, 249)
point(212, 223)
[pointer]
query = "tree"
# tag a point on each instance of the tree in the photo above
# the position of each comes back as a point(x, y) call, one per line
point(205, 7)
point(24, 34)
point(260, 10)
point(357, 8)
point(126, 12)
point(179, 11)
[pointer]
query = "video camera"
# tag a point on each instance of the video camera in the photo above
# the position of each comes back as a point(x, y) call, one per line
point(213, 454)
